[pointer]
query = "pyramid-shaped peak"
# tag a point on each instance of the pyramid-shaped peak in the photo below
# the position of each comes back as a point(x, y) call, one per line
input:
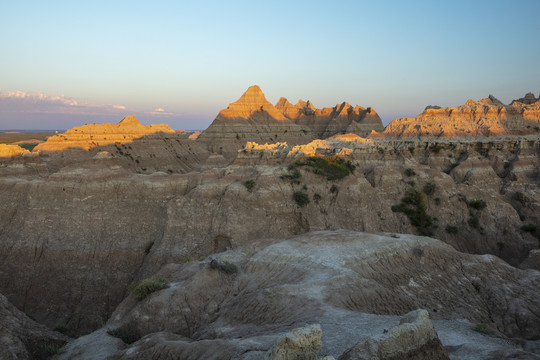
point(283, 103)
point(130, 121)
point(252, 96)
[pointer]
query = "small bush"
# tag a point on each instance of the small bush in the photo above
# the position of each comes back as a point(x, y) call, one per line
point(429, 188)
point(224, 266)
point(437, 201)
point(411, 182)
point(477, 204)
point(332, 167)
point(483, 329)
point(410, 172)
point(147, 286)
point(334, 189)
point(529, 228)
point(249, 184)
point(317, 197)
point(61, 328)
point(127, 333)
point(436, 148)
point(451, 229)
point(411, 149)
point(301, 198)
point(413, 204)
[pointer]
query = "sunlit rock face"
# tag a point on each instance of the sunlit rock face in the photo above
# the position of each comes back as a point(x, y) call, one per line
point(253, 118)
point(89, 136)
point(7, 151)
point(486, 117)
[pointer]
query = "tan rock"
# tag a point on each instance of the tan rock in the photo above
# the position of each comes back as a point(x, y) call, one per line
point(486, 117)
point(8, 151)
point(300, 344)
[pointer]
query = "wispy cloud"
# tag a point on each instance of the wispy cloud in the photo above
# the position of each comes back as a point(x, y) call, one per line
point(161, 112)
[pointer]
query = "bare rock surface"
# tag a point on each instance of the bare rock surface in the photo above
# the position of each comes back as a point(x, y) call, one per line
point(303, 343)
point(486, 117)
point(23, 338)
point(357, 286)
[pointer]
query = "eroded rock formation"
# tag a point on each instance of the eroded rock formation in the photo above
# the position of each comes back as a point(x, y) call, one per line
point(7, 151)
point(486, 117)
point(253, 118)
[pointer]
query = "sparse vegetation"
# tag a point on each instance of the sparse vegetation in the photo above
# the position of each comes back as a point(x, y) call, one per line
point(429, 188)
point(128, 333)
point(483, 329)
point(224, 266)
point(437, 201)
point(411, 149)
point(413, 204)
point(54, 348)
point(436, 148)
point(301, 198)
point(147, 286)
point(477, 204)
point(332, 167)
point(249, 184)
point(410, 172)
point(451, 229)
point(411, 182)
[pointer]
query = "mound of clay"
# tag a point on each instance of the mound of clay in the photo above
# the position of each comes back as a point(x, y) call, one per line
point(486, 117)
point(253, 118)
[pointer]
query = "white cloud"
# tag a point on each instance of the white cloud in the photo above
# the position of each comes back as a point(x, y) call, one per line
point(159, 110)
point(37, 97)
point(119, 107)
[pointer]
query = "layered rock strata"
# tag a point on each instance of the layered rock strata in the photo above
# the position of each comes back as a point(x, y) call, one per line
point(253, 118)
point(486, 117)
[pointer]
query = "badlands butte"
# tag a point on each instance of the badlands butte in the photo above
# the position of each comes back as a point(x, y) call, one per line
point(281, 232)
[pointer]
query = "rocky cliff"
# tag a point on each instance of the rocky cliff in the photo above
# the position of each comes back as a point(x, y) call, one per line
point(486, 117)
point(253, 118)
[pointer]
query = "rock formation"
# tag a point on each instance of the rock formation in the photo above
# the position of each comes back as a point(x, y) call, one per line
point(253, 118)
point(414, 338)
point(7, 151)
point(486, 117)
point(356, 286)
point(94, 135)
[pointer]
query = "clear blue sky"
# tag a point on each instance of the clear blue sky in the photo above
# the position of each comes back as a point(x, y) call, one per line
point(180, 62)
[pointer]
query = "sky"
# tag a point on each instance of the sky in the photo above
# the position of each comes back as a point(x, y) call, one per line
point(67, 63)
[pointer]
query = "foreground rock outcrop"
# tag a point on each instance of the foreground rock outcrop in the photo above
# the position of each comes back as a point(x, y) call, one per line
point(413, 338)
point(356, 286)
point(8, 151)
point(486, 117)
point(253, 118)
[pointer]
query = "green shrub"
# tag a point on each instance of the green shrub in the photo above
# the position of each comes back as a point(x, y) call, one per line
point(429, 188)
point(332, 167)
point(477, 204)
point(28, 147)
point(483, 329)
point(436, 148)
point(451, 229)
point(301, 198)
point(413, 204)
point(147, 286)
point(529, 228)
point(411, 182)
point(317, 197)
point(249, 184)
point(128, 333)
point(224, 266)
point(437, 201)
point(410, 172)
